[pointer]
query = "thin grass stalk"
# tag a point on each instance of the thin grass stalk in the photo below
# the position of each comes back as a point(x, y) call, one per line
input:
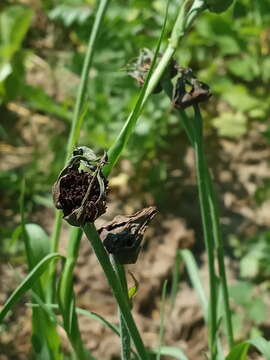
point(66, 286)
point(103, 258)
point(175, 279)
point(66, 299)
point(208, 237)
point(162, 319)
point(194, 133)
point(76, 123)
point(124, 334)
point(214, 213)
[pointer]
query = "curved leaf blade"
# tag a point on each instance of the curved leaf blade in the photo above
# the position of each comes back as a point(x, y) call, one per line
point(170, 351)
point(27, 283)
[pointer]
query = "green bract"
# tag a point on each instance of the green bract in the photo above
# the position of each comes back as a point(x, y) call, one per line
point(218, 6)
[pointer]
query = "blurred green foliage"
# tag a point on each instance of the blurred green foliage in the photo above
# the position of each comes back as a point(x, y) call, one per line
point(14, 23)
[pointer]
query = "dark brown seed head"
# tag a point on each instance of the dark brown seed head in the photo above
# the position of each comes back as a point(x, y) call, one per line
point(123, 236)
point(80, 194)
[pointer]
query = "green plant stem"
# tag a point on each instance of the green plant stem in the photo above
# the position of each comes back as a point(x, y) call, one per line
point(194, 133)
point(210, 213)
point(162, 319)
point(76, 123)
point(116, 287)
point(124, 334)
point(67, 282)
point(208, 236)
point(214, 213)
point(66, 298)
point(184, 20)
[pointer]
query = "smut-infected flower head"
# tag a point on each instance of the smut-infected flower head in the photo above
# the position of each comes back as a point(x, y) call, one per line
point(139, 68)
point(188, 90)
point(81, 189)
point(123, 236)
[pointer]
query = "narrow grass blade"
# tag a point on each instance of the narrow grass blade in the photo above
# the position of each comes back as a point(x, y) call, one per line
point(25, 236)
point(171, 351)
point(99, 318)
point(238, 352)
point(262, 345)
point(45, 339)
point(215, 224)
point(175, 277)
point(162, 318)
point(194, 276)
point(90, 314)
point(27, 283)
point(208, 232)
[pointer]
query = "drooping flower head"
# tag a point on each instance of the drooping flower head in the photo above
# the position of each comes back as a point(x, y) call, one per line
point(123, 236)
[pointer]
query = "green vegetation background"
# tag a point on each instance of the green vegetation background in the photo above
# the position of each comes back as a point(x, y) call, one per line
point(230, 52)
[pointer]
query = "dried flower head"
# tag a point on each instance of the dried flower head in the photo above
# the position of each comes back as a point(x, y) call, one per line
point(189, 90)
point(123, 236)
point(81, 192)
point(139, 68)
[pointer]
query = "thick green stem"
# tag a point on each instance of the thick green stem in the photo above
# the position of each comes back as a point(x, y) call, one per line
point(124, 334)
point(116, 287)
point(66, 299)
point(208, 236)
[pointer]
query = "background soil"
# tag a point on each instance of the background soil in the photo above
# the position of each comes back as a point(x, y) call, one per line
point(238, 167)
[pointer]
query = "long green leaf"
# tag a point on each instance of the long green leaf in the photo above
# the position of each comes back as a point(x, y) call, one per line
point(27, 283)
point(193, 273)
point(262, 345)
point(238, 352)
point(45, 339)
point(99, 318)
point(175, 277)
point(121, 141)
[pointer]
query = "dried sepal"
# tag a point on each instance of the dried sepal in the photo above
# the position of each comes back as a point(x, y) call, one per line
point(123, 236)
point(188, 90)
point(81, 193)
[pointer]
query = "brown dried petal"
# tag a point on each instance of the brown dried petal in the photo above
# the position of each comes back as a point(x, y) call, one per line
point(140, 68)
point(123, 236)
